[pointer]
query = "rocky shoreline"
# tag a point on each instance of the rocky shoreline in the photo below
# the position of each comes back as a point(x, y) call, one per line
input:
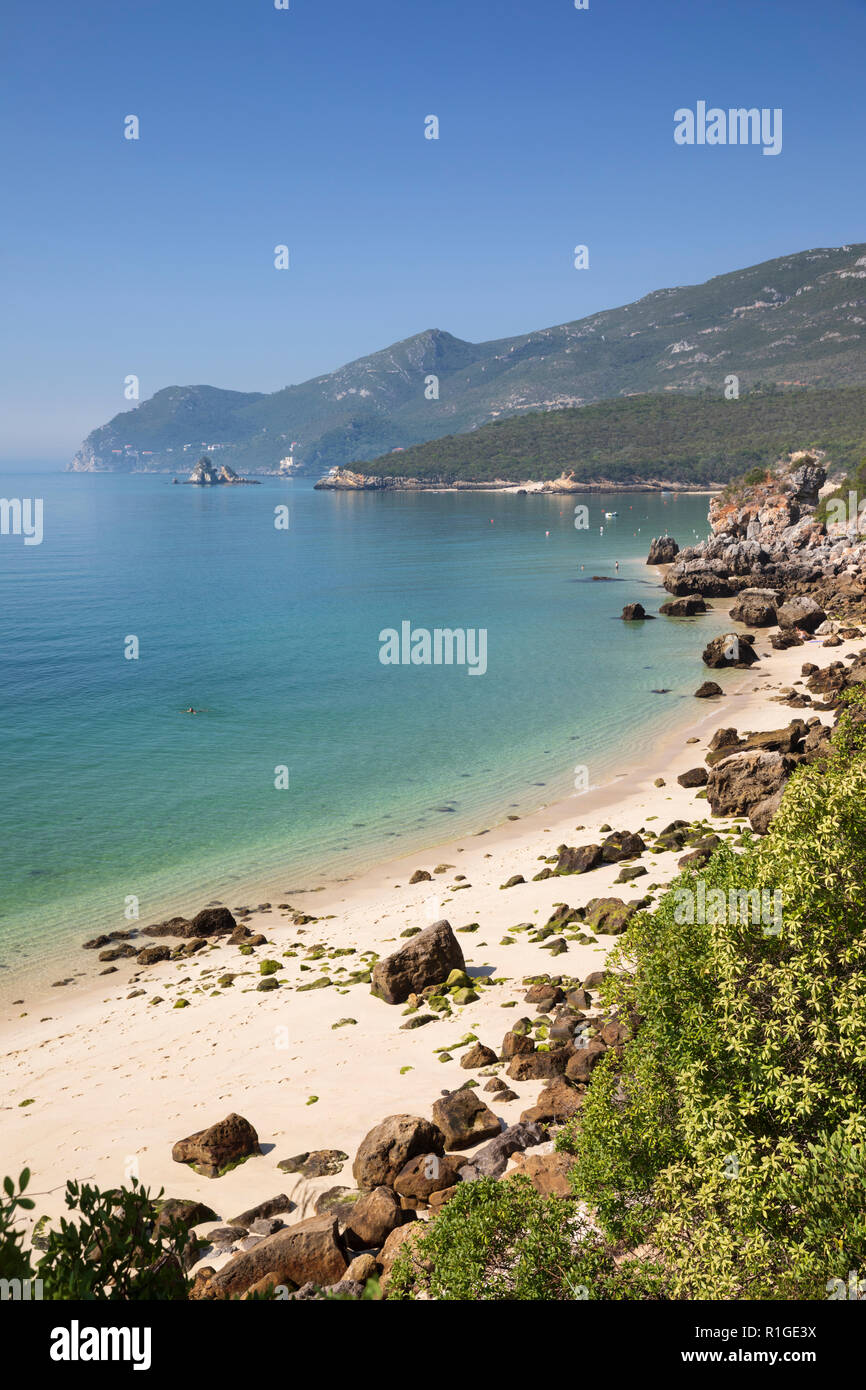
point(275, 969)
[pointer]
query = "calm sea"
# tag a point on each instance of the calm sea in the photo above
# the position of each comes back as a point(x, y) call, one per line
point(111, 791)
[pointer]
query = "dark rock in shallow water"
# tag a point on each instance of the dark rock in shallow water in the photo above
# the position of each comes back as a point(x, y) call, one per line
point(124, 952)
point(635, 612)
point(152, 955)
point(211, 921)
point(96, 942)
point(686, 607)
point(731, 649)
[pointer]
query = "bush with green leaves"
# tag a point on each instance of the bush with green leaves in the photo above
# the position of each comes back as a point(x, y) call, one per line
point(731, 1137)
point(501, 1241)
point(114, 1251)
point(14, 1259)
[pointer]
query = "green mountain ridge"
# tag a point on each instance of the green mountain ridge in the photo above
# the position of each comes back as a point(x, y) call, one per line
point(692, 441)
point(797, 321)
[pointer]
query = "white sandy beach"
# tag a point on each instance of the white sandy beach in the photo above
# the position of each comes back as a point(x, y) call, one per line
point(115, 1081)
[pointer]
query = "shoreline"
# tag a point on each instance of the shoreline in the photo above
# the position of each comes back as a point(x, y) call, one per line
point(34, 980)
point(123, 1078)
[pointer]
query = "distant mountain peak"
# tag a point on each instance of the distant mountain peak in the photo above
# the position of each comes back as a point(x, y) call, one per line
point(798, 320)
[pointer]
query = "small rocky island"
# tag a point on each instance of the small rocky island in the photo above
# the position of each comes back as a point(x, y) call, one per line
point(206, 475)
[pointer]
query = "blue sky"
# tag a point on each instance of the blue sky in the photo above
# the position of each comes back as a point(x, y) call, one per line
point(306, 127)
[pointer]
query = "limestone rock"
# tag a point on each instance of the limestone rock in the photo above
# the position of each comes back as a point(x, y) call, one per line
point(663, 550)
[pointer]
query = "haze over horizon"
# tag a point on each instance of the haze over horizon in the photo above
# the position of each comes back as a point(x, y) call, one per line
point(305, 127)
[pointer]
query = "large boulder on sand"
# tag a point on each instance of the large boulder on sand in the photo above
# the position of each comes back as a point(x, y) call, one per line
point(373, 1218)
point(579, 859)
point(426, 1174)
point(311, 1250)
point(801, 612)
point(755, 607)
point(735, 649)
point(426, 959)
point(464, 1119)
point(663, 550)
point(622, 844)
point(211, 1149)
point(738, 783)
point(385, 1151)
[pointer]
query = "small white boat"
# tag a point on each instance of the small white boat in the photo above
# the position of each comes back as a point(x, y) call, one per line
point(609, 514)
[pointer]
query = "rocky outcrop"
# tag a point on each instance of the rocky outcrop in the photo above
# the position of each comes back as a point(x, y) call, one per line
point(663, 550)
point(767, 536)
point(802, 612)
point(206, 475)
point(635, 613)
point(756, 607)
point(427, 959)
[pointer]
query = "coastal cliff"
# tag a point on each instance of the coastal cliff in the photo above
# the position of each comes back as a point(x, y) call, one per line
point(771, 533)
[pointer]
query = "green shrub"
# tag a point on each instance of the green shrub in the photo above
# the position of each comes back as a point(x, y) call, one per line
point(732, 1135)
point(501, 1241)
point(114, 1251)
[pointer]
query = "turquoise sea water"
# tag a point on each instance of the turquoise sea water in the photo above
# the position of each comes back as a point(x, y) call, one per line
point(109, 790)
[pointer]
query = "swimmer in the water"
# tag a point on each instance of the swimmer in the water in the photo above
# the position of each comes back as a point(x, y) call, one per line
point(191, 710)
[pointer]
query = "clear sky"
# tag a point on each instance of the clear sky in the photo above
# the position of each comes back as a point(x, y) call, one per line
point(305, 126)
